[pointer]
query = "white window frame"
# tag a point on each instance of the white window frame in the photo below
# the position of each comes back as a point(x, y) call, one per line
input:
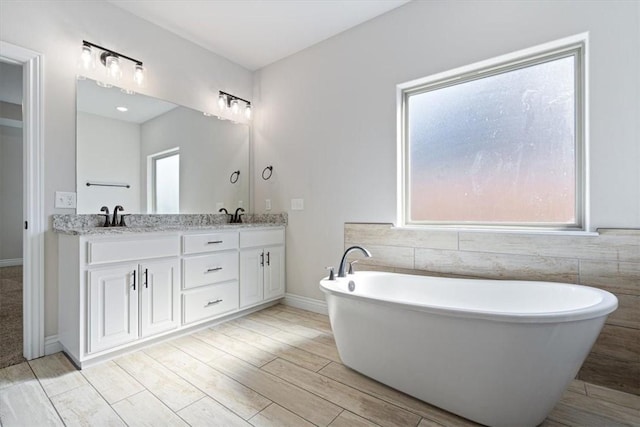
point(501, 64)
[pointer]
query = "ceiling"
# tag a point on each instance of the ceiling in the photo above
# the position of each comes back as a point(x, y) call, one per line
point(255, 33)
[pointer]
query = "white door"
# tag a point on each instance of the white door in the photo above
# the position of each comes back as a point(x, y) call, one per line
point(274, 272)
point(251, 276)
point(159, 297)
point(113, 307)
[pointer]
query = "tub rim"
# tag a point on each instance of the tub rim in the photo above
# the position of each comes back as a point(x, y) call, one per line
point(604, 307)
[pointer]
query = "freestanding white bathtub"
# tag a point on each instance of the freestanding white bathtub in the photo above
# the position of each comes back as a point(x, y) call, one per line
point(497, 352)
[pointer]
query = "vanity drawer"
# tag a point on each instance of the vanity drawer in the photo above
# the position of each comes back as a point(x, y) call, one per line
point(261, 238)
point(210, 242)
point(99, 252)
point(207, 269)
point(210, 301)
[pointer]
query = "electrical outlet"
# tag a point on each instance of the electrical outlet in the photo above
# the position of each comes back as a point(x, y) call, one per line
point(297, 204)
point(267, 204)
point(65, 200)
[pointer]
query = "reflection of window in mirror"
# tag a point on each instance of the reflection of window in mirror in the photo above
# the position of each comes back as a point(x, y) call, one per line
point(164, 190)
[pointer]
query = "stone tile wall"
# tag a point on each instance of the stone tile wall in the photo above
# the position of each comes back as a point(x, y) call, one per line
point(609, 261)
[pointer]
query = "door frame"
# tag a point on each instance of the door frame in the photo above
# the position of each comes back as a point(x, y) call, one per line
point(33, 195)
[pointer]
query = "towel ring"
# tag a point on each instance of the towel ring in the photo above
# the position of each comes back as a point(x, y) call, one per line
point(234, 177)
point(268, 168)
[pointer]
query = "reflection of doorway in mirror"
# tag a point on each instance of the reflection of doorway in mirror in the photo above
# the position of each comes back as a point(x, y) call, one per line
point(165, 181)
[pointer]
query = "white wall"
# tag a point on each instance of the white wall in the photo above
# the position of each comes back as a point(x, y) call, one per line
point(10, 193)
point(326, 117)
point(178, 71)
point(210, 150)
point(108, 151)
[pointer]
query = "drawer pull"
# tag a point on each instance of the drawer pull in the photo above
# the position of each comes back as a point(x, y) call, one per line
point(213, 242)
point(211, 270)
point(218, 301)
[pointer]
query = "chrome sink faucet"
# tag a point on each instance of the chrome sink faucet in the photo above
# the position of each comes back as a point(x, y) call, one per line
point(343, 262)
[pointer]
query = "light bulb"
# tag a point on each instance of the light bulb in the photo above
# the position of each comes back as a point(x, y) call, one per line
point(113, 67)
point(247, 111)
point(86, 57)
point(138, 75)
point(235, 107)
point(222, 101)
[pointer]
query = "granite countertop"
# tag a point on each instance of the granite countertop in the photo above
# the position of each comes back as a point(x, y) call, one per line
point(92, 224)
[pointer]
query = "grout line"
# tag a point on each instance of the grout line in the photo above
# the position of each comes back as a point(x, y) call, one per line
point(46, 395)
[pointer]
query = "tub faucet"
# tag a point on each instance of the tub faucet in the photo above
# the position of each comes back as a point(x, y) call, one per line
point(343, 262)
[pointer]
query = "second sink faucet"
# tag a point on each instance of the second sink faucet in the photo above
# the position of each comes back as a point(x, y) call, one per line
point(237, 218)
point(343, 263)
point(114, 221)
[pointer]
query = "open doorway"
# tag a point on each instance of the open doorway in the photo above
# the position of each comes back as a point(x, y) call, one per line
point(32, 222)
point(11, 215)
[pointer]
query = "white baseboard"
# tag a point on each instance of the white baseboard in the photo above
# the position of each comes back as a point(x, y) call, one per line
point(10, 262)
point(52, 345)
point(305, 303)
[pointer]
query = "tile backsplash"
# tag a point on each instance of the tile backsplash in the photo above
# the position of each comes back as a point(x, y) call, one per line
point(610, 261)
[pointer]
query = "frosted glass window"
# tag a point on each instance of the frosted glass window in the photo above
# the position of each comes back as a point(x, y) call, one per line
point(167, 184)
point(502, 148)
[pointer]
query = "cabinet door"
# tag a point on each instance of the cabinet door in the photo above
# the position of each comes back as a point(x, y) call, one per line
point(274, 272)
point(113, 307)
point(251, 276)
point(159, 297)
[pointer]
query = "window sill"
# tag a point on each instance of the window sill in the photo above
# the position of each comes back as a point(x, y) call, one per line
point(497, 230)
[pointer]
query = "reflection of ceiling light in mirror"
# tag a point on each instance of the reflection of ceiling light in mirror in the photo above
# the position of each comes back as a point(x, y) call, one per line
point(122, 109)
point(128, 91)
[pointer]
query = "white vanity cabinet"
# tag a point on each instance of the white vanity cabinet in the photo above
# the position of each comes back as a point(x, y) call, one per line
point(261, 266)
point(131, 301)
point(112, 307)
point(122, 289)
point(116, 290)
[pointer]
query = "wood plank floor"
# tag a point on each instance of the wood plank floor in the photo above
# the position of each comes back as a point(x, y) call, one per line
point(277, 367)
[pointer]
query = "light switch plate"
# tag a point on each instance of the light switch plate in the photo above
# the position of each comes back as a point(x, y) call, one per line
point(297, 204)
point(240, 204)
point(65, 200)
point(267, 204)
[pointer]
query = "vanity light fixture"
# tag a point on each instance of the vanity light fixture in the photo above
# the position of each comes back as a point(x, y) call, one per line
point(112, 61)
point(226, 100)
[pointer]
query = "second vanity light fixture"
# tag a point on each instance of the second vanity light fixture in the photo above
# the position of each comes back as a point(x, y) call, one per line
point(226, 100)
point(112, 61)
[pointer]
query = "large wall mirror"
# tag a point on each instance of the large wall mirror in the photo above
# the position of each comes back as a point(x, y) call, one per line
point(152, 156)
